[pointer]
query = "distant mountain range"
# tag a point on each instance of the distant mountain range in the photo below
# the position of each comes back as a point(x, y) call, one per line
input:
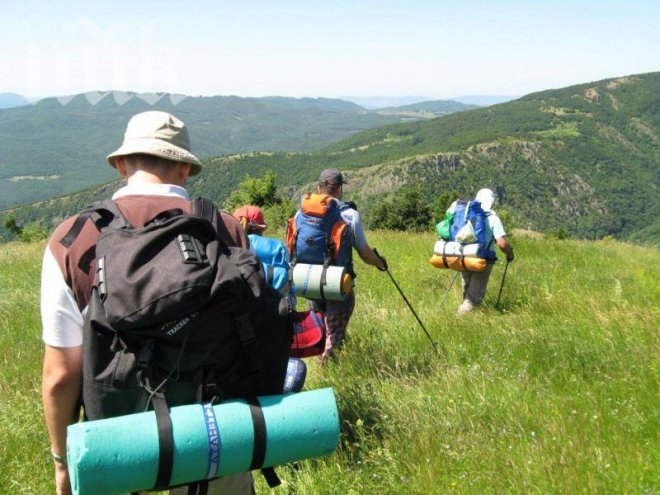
point(437, 107)
point(484, 100)
point(58, 145)
point(12, 100)
point(382, 102)
point(583, 159)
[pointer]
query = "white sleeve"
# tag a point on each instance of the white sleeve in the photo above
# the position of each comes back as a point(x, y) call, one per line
point(61, 319)
point(496, 226)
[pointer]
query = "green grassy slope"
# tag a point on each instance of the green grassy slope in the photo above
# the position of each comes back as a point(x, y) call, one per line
point(555, 393)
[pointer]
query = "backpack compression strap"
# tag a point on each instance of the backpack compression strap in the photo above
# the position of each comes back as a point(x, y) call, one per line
point(260, 436)
point(165, 442)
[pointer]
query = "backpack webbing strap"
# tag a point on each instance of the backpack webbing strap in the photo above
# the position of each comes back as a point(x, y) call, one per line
point(204, 207)
point(259, 424)
point(462, 258)
point(260, 435)
point(165, 442)
point(101, 213)
point(75, 229)
point(444, 255)
point(199, 488)
point(271, 477)
point(323, 282)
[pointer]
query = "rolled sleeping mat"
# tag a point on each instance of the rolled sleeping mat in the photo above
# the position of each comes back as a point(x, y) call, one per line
point(308, 282)
point(459, 263)
point(121, 455)
point(296, 373)
point(454, 248)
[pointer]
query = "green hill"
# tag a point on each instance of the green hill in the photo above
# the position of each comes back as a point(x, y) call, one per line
point(438, 107)
point(59, 145)
point(584, 159)
point(555, 393)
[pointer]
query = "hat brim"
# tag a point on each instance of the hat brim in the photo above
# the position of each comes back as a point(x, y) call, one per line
point(156, 147)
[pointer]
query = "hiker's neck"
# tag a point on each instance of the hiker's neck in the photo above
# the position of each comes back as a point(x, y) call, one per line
point(144, 177)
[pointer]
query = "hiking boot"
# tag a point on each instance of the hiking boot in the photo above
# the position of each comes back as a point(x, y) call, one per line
point(465, 307)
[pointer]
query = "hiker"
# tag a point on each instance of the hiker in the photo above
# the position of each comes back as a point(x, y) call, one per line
point(338, 313)
point(475, 283)
point(252, 219)
point(271, 252)
point(155, 159)
point(275, 262)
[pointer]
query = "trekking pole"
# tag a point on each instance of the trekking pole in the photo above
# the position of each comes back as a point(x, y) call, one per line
point(451, 284)
point(386, 270)
point(506, 267)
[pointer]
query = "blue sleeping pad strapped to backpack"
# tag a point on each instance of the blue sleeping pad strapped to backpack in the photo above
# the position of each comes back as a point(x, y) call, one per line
point(473, 212)
point(274, 259)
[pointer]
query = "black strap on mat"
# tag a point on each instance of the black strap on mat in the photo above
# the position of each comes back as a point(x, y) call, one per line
point(259, 452)
point(259, 424)
point(199, 488)
point(165, 443)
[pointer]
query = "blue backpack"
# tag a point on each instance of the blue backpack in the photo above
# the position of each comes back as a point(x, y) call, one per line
point(274, 259)
point(318, 235)
point(472, 212)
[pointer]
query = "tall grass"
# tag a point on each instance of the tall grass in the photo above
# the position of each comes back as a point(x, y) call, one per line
point(555, 391)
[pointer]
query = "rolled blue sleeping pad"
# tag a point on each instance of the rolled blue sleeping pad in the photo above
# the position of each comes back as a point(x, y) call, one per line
point(120, 455)
point(296, 373)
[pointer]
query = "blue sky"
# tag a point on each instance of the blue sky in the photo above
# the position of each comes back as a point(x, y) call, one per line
point(437, 49)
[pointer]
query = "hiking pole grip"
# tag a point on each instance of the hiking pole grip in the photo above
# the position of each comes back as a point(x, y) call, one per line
point(382, 259)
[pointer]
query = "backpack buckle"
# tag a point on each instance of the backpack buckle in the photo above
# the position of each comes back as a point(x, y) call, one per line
point(190, 250)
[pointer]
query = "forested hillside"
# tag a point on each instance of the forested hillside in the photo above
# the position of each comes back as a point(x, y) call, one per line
point(59, 145)
point(583, 159)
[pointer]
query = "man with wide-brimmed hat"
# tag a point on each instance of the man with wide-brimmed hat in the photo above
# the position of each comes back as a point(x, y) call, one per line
point(156, 160)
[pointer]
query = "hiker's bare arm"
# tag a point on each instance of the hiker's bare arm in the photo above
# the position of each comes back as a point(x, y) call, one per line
point(61, 387)
point(368, 256)
point(506, 248)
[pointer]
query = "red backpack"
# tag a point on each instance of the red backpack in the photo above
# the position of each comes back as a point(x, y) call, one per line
point(308, 334)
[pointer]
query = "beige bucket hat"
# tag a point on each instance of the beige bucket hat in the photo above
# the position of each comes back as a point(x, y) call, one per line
point(159, 134)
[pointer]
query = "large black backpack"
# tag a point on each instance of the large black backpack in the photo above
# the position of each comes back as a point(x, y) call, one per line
point(177, 317)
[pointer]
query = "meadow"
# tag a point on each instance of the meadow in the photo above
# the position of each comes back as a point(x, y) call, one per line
point(554, 391)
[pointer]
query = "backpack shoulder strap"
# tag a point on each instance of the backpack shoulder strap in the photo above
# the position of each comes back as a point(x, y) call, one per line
point(102, 213)
point(345, 205)
point(204, 208)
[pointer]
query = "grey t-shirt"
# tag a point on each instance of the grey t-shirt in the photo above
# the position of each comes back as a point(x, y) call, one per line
point(355, 228)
